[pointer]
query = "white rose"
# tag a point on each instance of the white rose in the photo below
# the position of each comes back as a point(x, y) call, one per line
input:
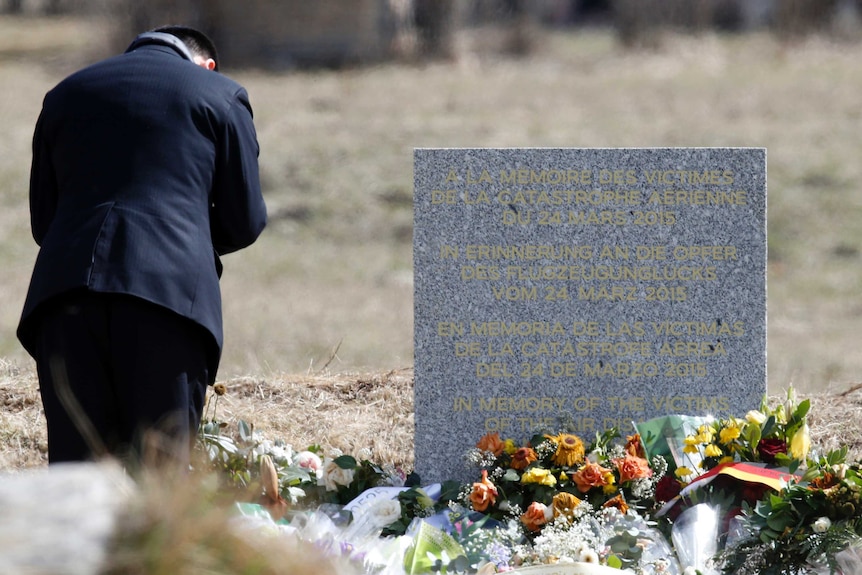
point(333, 475)
point(310, 461)
point(385, 512)
point(822, 525)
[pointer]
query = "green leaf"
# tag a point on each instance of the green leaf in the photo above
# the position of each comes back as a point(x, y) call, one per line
point(777, 522)
point(768, 426)
point(245, 430)
point(345, 462)
point(802, 410)
point(449, 491)
point(413, 480)
point(511, 475)
point(615, 562)
point(793, 465)
point(837, 456)
point(784, 460)
point(753, 435)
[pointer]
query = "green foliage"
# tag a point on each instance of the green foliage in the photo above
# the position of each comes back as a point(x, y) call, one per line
point(626, 546)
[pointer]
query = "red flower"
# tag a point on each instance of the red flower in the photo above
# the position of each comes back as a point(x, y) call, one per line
point(667, 488)
point(769, 448)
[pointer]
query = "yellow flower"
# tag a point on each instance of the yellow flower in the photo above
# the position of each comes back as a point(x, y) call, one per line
point(563, 476)
point(800, 443)
point(725, 459)
point(712, 450)
point(729, 433)
point(691, 440)
point(570, 450)
point(609, 486)
point(755, 416)
point(705, 435)
point(683, 472)
point(509, 446)
point(538, 475)
point(690, 449)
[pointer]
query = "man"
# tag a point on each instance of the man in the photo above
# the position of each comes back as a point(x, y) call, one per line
point(144, 172)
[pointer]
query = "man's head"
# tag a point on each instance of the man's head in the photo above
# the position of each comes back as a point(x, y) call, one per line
point(202, 48)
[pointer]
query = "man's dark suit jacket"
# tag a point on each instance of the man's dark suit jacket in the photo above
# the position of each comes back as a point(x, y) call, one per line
point(144, 171)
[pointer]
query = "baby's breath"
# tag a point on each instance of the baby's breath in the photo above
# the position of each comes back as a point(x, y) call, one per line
point(545, 449)
point(478, 458)
point(615, 452)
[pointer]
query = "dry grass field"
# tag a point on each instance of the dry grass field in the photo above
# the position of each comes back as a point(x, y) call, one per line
point(327, 290)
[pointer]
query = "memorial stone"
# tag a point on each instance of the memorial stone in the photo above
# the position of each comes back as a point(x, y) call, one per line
point(583, 289)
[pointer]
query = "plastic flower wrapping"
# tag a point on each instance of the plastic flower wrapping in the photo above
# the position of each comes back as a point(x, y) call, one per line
point(680, 495)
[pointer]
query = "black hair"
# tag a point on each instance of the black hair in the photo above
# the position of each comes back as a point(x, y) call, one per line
point(197, 42)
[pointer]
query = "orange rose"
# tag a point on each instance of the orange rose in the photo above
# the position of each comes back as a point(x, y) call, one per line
point(522, 458)
point(537, 514)
point(632, 467)
point(491, 442)
point(589, 476)
point(484, 493)
point(617, 502)
point(634, 446)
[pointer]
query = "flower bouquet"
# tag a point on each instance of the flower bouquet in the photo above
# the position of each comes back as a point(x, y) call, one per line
point(570, 500)
point(733, 462)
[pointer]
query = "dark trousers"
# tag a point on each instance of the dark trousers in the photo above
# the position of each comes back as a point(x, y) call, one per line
point(121, 376)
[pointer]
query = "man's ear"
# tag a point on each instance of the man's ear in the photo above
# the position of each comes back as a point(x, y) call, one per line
point(207, 63)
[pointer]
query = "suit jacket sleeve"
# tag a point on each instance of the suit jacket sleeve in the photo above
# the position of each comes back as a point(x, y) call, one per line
point(43, 185)
point(237, 209)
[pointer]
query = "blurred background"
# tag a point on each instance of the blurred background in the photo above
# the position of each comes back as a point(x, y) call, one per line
point(344, 90)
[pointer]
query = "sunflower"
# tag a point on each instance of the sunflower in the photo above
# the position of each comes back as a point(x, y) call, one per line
point(570, 450)
point(522, 458)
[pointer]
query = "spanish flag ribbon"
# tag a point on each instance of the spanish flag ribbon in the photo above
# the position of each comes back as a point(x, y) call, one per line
point(744, 471)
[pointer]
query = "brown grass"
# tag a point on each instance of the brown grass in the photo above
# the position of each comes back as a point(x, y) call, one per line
point(348, 412)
